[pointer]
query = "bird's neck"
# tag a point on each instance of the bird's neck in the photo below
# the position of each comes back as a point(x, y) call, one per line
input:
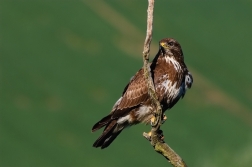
point(167, 57)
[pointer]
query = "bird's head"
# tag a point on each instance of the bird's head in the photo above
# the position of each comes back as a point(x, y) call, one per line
point(170, 47)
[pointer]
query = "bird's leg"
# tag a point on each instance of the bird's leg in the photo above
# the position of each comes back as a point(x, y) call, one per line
point(153, 120)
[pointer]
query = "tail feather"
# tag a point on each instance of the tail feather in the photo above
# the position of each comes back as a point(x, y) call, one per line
point(108, 135)
point(104, 121)
point(109, 140)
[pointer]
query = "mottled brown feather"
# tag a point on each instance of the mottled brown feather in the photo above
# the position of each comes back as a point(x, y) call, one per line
point(135, 94)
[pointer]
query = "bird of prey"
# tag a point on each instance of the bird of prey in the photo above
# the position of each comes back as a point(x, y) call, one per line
point(171, 79)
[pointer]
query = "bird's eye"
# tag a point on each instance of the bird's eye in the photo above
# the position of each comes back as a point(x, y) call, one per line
point(170, 43)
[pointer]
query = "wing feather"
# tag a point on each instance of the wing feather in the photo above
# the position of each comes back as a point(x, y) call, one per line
point(135, 93)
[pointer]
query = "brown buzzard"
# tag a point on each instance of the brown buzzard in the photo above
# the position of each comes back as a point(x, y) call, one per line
point(171, 79)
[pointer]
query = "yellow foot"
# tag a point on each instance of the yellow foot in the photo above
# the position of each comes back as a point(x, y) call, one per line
point(147, 135)
point(164, 118)
point(152, 121)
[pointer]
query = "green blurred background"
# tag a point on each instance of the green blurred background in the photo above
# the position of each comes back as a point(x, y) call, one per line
point(63, 64)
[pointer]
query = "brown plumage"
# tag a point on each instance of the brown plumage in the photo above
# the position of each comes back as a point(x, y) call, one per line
point(171, 79)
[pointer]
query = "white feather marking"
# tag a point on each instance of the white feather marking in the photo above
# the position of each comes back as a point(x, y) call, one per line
point(142, 112)
point(174, 62)
point(124, 119)
point(165, 76)
point(170, 89)
point(188, 81)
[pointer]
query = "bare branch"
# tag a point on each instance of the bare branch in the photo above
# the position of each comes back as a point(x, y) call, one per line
point(156, 136)
point(147, 73)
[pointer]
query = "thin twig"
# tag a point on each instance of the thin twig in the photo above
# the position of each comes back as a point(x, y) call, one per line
point(154, 136)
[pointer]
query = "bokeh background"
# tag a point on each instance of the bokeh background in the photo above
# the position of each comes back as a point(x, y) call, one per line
point(63, 64)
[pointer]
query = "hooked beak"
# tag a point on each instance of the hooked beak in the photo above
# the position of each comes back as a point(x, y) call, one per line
point(164, 45)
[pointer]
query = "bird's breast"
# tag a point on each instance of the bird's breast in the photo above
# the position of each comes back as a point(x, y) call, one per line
point(169, 89)
point(169, 79)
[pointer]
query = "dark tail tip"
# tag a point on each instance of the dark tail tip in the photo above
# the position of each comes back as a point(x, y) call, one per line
point(108, 135)
point(105, 142)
